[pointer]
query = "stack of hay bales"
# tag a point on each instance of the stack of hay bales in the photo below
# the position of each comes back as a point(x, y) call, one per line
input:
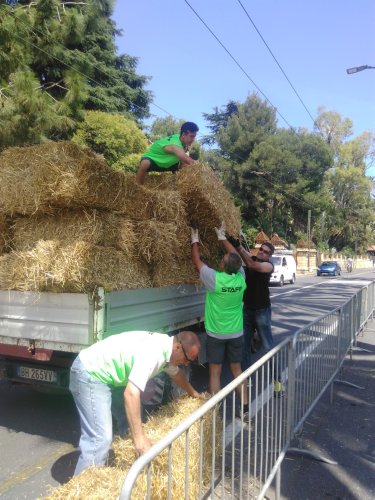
point(70, 223)
point(105, 482)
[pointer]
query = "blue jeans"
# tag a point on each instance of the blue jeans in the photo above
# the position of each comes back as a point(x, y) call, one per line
point(260, 321)
point(93, 401)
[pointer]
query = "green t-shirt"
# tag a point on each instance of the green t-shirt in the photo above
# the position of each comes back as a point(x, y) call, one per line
point(223, 309)
point(160, 157)
point(132, 356)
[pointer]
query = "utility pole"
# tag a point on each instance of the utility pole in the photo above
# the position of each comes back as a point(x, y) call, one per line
point(308, 238)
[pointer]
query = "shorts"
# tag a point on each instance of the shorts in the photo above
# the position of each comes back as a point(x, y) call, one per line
point(219, 350)
point(155, 168)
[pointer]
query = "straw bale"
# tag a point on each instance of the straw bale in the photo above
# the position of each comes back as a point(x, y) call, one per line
point(166, 206)
point(105, 482)
point(79, 267)
point(158, 181)
point(207, 200)
point(60, 174)
point(4, 233)
point(175, 271)
point(96, 227)
point(156, 240)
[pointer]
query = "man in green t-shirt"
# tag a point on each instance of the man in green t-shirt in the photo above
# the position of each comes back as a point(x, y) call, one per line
point(168, 154)
point(125, 360)
point(223, 315)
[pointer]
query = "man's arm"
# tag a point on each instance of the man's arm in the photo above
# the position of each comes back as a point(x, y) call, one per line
point(180, 379)
point(132, 403)
point(195, 252)
point(261, 267)
point(180, 153)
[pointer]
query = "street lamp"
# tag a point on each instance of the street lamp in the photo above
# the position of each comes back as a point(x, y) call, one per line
point(358, 68)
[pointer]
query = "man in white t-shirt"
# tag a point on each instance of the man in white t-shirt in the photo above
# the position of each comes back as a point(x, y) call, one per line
point(126, 360)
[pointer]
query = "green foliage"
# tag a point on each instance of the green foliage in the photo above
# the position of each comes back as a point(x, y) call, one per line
point(162, 127)
point(69, 51)
point(118, 139)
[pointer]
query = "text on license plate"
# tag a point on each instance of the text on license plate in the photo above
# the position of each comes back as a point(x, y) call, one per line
point(37, 374)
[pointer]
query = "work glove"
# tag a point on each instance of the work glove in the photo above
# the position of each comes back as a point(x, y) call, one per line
point(194, 235)
point(233, 241)
point(221, 232)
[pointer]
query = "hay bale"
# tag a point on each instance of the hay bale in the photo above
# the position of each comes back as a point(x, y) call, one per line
point(208, 203)
point(105, 229)
point(4, 233)
point(79, 267)
point(105, 482)
point(175, 271)
point(156, 240)
point(156, 181)
point(35, 179)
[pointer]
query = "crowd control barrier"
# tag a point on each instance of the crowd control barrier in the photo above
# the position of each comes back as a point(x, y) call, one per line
point(247, 450)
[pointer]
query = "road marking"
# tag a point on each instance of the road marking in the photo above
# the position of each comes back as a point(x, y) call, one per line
point(30, 471)
point(302, 288)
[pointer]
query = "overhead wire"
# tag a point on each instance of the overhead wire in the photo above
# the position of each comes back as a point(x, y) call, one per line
point(237, 63)
point(277, 62)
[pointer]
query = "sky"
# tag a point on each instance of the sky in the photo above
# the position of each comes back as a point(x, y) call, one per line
point(313, 41)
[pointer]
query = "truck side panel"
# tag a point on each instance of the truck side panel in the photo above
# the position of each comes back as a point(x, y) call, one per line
point(154, 309)
point(51, 320)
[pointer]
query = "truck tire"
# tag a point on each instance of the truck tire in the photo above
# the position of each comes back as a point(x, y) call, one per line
point(281, 282)
point(293, 280)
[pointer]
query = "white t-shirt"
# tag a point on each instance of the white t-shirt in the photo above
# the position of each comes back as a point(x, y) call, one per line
point(136, 356)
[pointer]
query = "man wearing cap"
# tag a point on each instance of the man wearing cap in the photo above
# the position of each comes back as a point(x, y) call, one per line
point(168, 154)
point(126, 360)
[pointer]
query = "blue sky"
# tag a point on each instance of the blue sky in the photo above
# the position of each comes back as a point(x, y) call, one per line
point(314, 41)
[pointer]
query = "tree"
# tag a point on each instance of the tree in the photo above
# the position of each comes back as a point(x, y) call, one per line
point(68, 50)
point(218, 120)
point(332, 127)
point(162, 127)
point(118, 139)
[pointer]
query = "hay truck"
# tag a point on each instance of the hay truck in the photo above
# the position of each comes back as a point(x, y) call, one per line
point(42, 332)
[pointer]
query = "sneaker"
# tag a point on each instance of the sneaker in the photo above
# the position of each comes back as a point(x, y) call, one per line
point(278, 389)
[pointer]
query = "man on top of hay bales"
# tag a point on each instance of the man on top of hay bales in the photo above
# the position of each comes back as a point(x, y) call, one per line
point(126, 360)
point(223, 311)
point(168, 154)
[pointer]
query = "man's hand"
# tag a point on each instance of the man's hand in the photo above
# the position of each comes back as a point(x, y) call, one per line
point(233, 241)
point(221, 232)
point(194, 235)
point(198, 395)
point(142, 445)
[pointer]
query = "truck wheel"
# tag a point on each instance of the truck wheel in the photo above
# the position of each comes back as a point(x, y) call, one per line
point(281, 282)
point(293, 280)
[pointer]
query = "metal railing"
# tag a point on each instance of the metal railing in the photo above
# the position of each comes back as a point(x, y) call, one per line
point(247, 451)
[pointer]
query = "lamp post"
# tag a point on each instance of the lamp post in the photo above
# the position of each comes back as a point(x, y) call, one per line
point(356, 69)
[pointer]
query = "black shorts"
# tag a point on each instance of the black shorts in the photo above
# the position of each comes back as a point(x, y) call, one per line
point(219, 350)
point(154, 168)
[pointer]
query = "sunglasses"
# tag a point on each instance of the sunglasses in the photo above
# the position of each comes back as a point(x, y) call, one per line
point(261, 249)
point(186, 356)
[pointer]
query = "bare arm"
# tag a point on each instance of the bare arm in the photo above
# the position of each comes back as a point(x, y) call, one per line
point(196, 256)
point(180, 153)
point(182, 382)
point(132, 402)
point(261, 267)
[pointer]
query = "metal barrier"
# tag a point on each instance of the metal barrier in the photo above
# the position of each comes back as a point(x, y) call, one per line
point(252, 447)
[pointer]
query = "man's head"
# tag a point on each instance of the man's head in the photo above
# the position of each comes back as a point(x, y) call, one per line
point(231, 263)
point(265, 251)
point(188, 132)
point(186, 347)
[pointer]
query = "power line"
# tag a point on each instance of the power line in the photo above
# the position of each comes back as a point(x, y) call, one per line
point(237, 63)
point(277, 62)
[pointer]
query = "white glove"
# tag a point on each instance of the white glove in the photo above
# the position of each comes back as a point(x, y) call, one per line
point(221, 232)
point(194, 235)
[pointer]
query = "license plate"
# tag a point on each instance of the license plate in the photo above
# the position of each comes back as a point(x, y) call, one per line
point(37, 374)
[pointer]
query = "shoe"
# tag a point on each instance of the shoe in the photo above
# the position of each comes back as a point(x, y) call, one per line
point(278, 389)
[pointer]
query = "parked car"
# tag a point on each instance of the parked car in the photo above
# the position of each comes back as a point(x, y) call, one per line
point(329, 268)
point(284, 269)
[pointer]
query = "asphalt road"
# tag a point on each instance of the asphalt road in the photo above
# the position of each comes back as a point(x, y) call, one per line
point(39, 432)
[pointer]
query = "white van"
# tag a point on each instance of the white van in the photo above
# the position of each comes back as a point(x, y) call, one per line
point(285, 269)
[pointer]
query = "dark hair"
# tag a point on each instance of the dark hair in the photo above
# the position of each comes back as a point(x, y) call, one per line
point(188, 127)
point(270, 246)
point(233, 263)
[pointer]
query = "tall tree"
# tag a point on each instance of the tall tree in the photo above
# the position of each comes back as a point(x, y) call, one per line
point(69, 51)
